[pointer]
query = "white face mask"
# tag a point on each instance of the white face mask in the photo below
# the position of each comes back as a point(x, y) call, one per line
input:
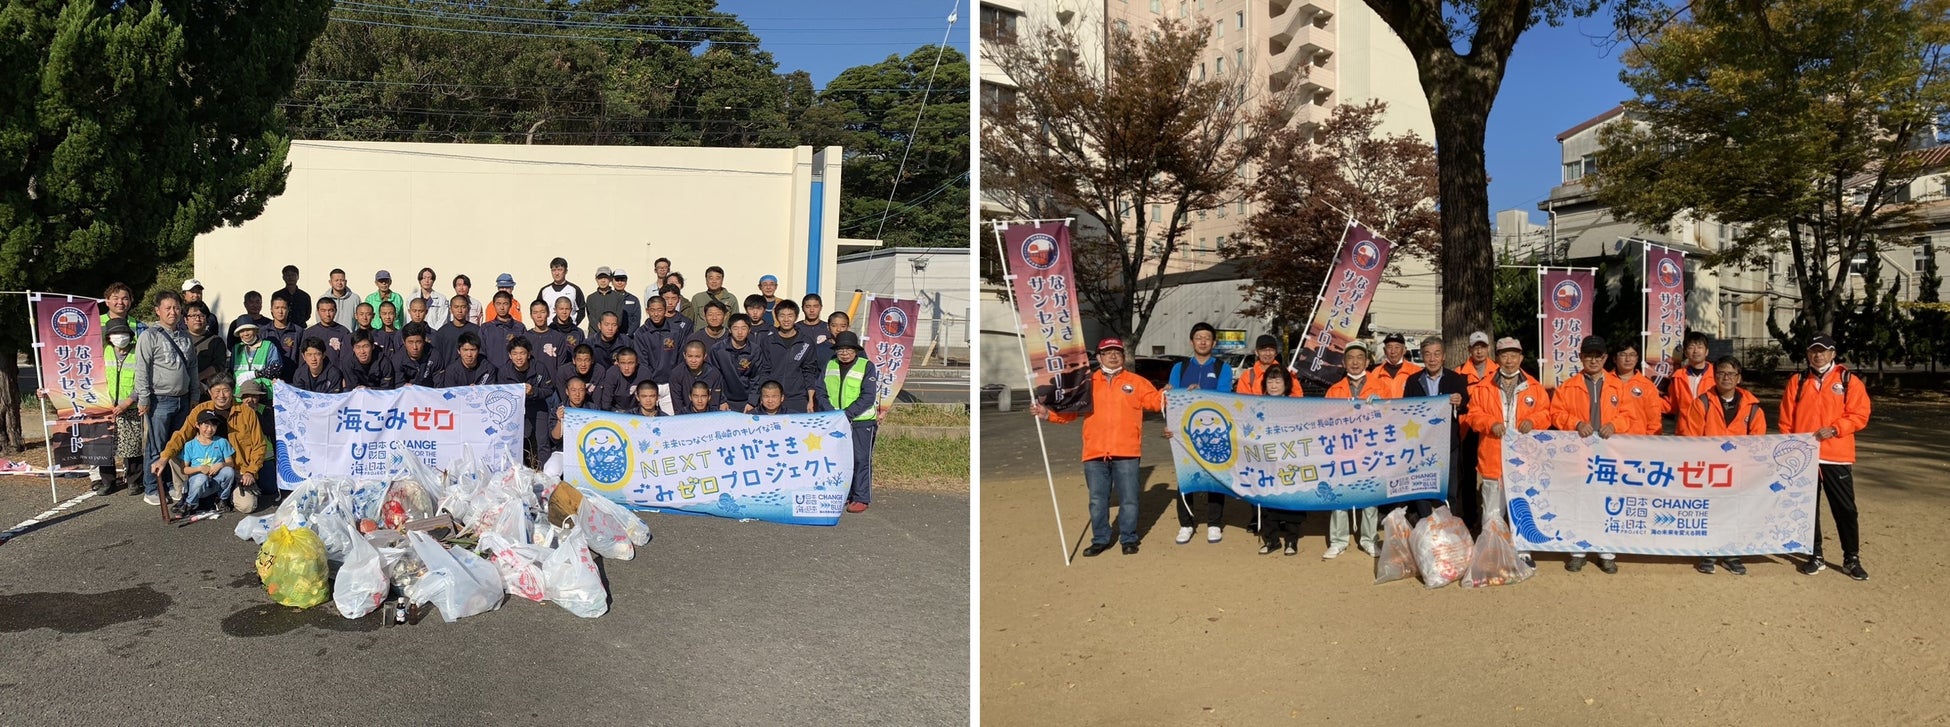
point(118, 340)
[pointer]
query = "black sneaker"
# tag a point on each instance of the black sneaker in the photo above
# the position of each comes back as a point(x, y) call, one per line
point(1705, 566)
point(1575, 564)
point(1268, 545)
point(1130, 548)
point(1094, 549)
point(1608, 565)
point(1812, 566)
point(135, 488)
point(179, 510)
point(1853, 567)
point(103, 486)
point(1734, 566)
point(224, 507)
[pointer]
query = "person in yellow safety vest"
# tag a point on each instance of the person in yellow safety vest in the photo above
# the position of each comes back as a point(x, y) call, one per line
point(851, 387)
point(254, 359)
point(118, 381)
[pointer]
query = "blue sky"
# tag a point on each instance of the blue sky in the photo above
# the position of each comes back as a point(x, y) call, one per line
point(1557, 79)
point(824, 37)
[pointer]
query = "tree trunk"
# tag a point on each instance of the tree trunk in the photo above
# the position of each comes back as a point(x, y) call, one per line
point(11, 441)
point(1468, 260)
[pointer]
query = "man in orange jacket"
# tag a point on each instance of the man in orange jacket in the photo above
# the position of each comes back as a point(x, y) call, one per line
point(1478, 366)
point(1359, 383)
point(1827, 400)
point(1112, 442)
point(1394, 365)
point(1511, 399)
point(1629, 364)
point(1251, 380)
point(1593, 402)
point(1729, 411)
point(1693, 378)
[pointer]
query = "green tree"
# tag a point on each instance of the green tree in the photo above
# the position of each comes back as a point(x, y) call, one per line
point(1461, 50)
point(878, 107)
point(125, 130)
point(1795, 121)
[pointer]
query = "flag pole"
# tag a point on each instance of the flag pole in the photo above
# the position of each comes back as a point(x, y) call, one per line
point(1022, 342)
point(1293, 361)
point(40, 382)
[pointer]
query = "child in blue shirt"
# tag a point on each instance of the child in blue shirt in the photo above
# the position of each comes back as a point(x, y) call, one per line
point(208, 459)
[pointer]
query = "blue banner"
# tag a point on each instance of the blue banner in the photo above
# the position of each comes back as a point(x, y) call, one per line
point(790, 468)
point(356, 433)
point(1310, 454)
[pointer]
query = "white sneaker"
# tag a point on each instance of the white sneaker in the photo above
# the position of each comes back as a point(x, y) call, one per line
point(1185, 535)
point(151, 499)
point(1372, 551)
point(1333, 551)
point(1212, 534)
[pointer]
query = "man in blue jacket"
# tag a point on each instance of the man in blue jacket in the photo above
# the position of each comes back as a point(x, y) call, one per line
point(1204, 372)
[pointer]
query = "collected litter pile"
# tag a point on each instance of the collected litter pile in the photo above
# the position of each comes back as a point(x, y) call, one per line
point(459, 540)
point(1439, 550)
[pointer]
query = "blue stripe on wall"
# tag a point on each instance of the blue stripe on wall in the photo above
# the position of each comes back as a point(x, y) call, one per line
point(813, 235)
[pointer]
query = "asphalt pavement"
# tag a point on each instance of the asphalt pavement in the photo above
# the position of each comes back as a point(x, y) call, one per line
point(110, 617)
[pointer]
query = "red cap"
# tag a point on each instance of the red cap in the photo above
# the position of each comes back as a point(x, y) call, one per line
point(1110, 343)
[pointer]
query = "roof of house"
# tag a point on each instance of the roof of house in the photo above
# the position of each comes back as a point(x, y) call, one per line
point(1593, 121)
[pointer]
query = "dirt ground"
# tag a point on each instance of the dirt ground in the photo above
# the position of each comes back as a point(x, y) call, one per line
point(1216, 634)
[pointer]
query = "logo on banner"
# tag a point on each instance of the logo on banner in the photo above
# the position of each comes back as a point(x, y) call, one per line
point(70, 324)
point(605, 455)
point(893, 322)
point(1567, 295)
point(1210, 433)
point(1669, 272)
point(1039, 251)
point(1366, 254)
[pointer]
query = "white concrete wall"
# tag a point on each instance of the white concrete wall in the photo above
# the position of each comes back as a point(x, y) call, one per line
point(891, 272)
point(483, 210)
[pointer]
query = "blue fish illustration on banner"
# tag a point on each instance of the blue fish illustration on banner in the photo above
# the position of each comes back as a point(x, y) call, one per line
point(1310, 454)
point(1686, 496)
point(794, 469)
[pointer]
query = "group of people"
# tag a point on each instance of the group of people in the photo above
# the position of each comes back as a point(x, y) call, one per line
point(660, 355)
point(1492, 396)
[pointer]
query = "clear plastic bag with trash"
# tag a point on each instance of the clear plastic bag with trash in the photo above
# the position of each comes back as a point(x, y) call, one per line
point(571, 580)
point(457, 581)
point(1397, 559)
point(1494, 561)
point(1441, 543)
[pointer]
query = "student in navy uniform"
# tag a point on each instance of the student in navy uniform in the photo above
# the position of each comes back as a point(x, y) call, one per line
point(657, 340)
point(714, 332)
point(607, 340)
point(468, 367)
point(851, 387)
point(253, 313)
point(387, 335)
point(791, 362)
point(582, 365)
point(446, 341)
point(811, 308)
point(564, 323)
point(771, 399)
point(758, 315)
point(645, 404)
point(315, 371)
point(695, 369)
point(413, 363)
point(700, 399)
point(546, 345)
point(632, 307)
point(498, 333)
point(298, 302)
point(618, 384)
point(367, 367)
point(575, 395)
point(673, 306)
point(837, 323)
point(338, 340)
point(741, 360)
point(284, 334)
point(539, 383)
point(1204, 372)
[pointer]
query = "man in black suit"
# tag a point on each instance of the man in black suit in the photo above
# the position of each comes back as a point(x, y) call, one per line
point(1435, 379)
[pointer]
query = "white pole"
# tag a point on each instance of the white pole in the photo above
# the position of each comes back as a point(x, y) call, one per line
point(1022, 342)
point(1293, 361)
point(40, 382)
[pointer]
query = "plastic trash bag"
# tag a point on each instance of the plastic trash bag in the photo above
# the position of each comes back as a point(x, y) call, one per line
point(1441, 544)
point(611, 530)
point(361, 584)
point(336, 533)
point(409, 466)
point(570, 578)
point(1494, 561)
point(403, 569)
point(304, 501)
point(358, 499)
point(254, 527)
point(506, 517)
point(406, 500)
point(457, 582)
point(1397, 560)
point(520, 565)
point(293, 568)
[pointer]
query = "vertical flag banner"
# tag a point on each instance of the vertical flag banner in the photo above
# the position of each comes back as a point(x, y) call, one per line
point(1693, 496)
point(356, 434)
point(1665, 308)
point(890, 342)
point(1564, 300)
point(1344, 300)
point(1043, 281)
point(794, 469)
point(68, 355)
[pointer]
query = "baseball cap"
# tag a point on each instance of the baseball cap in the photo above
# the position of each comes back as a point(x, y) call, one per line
point(1592, 345)
point(1822, 341)
point(210, 416)
point(1266, 341)
point(505, 281)
point(763, 279)
point(246, 326)
point(1479, 337)
point(382, 275)
point(1351, 345)
point(1395, 338)
point(602, 272)
point(619, 274)
point(192, 284)
point(1507, 343)
point(1110, 343)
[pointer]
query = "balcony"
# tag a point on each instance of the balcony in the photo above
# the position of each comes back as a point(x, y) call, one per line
point(1310, 10)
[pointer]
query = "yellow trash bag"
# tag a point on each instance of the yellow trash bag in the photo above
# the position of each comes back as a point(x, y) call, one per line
point(292, 565)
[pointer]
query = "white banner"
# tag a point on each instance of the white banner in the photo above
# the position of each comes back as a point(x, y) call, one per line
point(790, 468)
point(1697, 496)
point(355, 434)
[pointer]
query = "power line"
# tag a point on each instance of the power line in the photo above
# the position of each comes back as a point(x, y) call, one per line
point(953, 13)
point(931, 194)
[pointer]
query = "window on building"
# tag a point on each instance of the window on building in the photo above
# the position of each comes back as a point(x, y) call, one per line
point(1219, 28)
point(1733, 320)
point(1219, 243)
point(1925, 254)
point(1220, 212)
point(1157, 6)
point(1241, 15)
point(1239, 58)
point(1577, 169)
point(1201, 215)
point(1201, 71)
point(1157, 212)
point(1242, 207)
point(1123, 208)
point(1857, 265)
point(998, 24)
point(1219, 65)
point(1184, 9)
point(996, 97)
point(1123, 28)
